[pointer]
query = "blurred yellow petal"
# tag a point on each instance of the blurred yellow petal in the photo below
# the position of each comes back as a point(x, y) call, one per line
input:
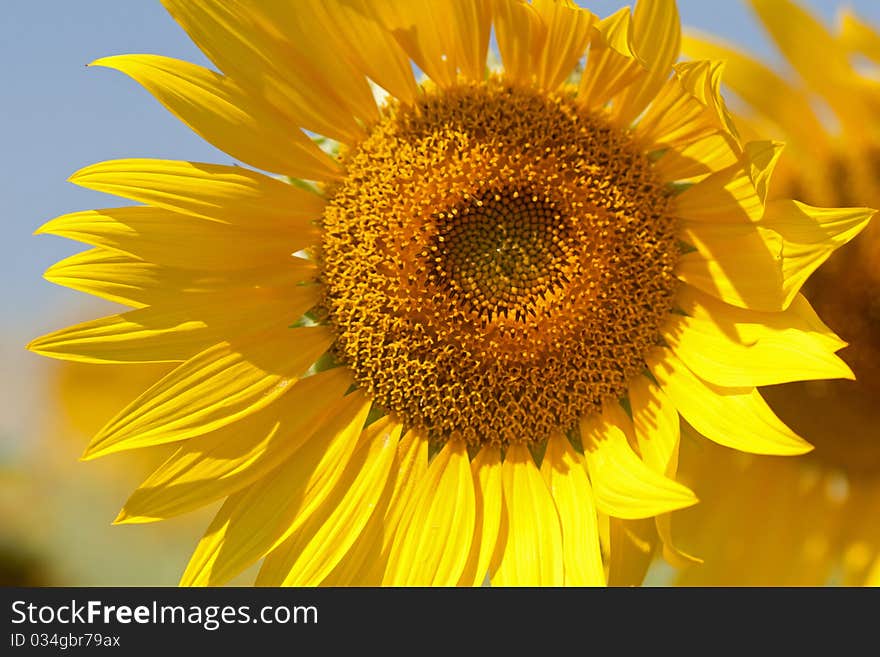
point(672, 554)
point(858, 36)
point(631, 549)
point(814, 53)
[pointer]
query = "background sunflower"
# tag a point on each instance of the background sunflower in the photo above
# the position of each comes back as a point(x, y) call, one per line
point(812, 521)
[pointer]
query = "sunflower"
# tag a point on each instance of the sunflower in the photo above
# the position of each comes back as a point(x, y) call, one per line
point(451, 337)
point(811, 521)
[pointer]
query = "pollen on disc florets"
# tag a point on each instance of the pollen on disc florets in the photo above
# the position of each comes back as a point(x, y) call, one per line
point(496, 262)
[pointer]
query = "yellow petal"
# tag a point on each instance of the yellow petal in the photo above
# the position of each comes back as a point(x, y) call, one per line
point(734, 417)
point(315, 548)
point(769, 94)
point(724, 360)
point(433, 542)
point(353, 29)
point(678, 115)
point(858, 37)
point(542, 42)
point(612, 64)
point(225, 194)
point(763, 265)
point(296, 82)
point(563, 470)
point(313, 61)
point(533, 554)
point(631, 546)
point(165, 238)
point(413, 458)
point(811, 234)
point(520, 33)
point(364, 565)
point(470, 27)
point(255, 520)
point(656, 424)
point(442, 38)
point(702, 157)
point(215, 388)
point(117, 277)
point(739, 264)
point(658, 432)
point(129, 280)
point(623, 485)
point(567, 30)
point(761, 158)
point(750, 326)
point(814, 53)
point(656, 39)
point(486, 468)
point(209, 467)
point(174, 332)
point(726, 196)
point(673, 555)
point(222, 113)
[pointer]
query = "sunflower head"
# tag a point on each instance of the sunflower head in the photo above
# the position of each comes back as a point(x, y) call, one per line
point(531, 271)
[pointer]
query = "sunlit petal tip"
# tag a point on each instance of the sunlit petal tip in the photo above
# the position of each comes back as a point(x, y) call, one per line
point(89, 454)
point(105, 62)
point(125, 518)
point(624, 485)
point(736, 417)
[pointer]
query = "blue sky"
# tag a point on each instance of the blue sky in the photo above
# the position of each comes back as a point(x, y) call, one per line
point(57, 116)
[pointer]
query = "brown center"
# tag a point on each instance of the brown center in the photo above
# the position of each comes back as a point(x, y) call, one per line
point(496, 262)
